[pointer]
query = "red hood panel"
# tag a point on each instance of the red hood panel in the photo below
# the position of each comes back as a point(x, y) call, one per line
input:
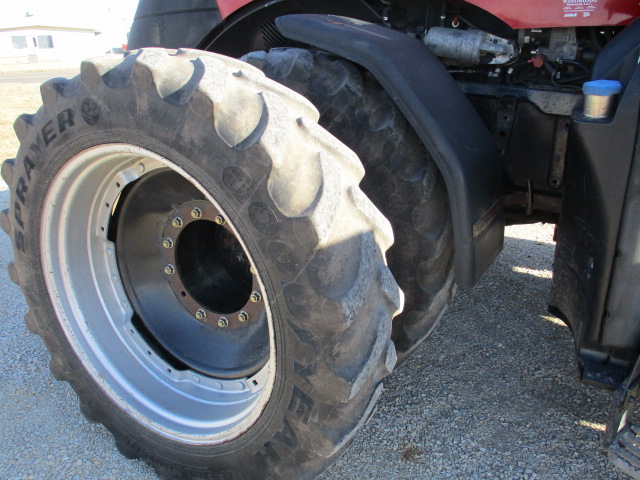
point(535, 14)
point(227, 7)
point(562, 13)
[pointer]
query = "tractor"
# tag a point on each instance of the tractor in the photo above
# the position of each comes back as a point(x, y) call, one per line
point(230, 236)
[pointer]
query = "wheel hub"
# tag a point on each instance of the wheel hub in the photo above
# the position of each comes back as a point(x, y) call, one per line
point(207, 269)
point(189, 279)
point(102, 248)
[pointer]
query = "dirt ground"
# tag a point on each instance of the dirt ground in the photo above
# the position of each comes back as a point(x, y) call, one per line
point(16, 99)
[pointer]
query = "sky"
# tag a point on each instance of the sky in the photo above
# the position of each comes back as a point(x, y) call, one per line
point(90, 13)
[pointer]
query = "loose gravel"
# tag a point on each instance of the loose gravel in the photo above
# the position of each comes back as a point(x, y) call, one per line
point(493, 394)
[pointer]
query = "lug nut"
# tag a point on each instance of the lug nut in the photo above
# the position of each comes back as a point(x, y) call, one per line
point(223, 322)
point(255, 297)
point(220, 220)
point(196, 213)
point(177, 222)
point(167, 243)
point(243, 316)
point(201, 314)
point(169, 269)
point(253, 270)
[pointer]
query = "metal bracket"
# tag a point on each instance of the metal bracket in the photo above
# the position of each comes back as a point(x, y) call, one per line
point(506, 115)
point(556, 172)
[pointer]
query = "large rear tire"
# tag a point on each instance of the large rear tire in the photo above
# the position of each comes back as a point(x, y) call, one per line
point(201, 264)
point(401, 178)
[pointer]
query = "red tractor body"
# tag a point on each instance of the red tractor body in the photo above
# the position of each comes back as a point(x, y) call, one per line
point(527, 14)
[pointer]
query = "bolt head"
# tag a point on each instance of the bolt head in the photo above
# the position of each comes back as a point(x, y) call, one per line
point(223, 322)
point(256, 297)
point(167, 243)
point(243, 316)
point(177, 222)
point(220, 220)
point(201, 314)
point(169, 269)
point(196, 213)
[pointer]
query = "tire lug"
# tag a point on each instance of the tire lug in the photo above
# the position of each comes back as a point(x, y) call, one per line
point(256, 297)
point(223, 322)
point(167, 243)
point(196, 213)
point(177, 222)
point(243, 316)
point(220, 220)
point(169, 269)
point(201, 314)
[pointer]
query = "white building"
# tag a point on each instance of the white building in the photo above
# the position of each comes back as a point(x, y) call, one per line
point(38, 38)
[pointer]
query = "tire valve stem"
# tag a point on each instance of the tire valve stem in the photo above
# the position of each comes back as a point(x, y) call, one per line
point(196, 213)
point(223, 322)
point(243, 316)
point(220, 220)
point(177, 222)
point(256, 297)
point(169, 269)
point(201, 314)
point(167, 243)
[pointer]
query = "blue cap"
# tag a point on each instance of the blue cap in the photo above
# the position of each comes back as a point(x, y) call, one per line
point(602, 88)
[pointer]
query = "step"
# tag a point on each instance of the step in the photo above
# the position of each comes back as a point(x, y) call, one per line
point(624, 451)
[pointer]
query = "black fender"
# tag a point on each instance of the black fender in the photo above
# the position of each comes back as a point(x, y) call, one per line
point(441, 115)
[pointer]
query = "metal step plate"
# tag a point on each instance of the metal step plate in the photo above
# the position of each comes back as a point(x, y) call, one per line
point(624, 451)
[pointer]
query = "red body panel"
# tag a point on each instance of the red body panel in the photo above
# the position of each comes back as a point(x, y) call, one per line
point(227, 7)
point(534, 14)
point(562, 13)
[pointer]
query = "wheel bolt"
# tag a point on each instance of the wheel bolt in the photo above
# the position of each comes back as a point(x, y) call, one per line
point(177, 222)
point(196, 213)
point(220, 220)
point(243, 316)
point(255, 297)
point(223, 322)
point(167, 243)
point(169, 269)
point(201, 314)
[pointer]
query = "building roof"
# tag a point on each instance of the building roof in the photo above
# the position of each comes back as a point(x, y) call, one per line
point(49, 22)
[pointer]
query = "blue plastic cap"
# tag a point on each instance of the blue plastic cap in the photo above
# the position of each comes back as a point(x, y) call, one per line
point(602, 88)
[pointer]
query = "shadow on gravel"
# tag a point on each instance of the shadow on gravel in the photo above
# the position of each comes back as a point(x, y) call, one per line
point(494, 393)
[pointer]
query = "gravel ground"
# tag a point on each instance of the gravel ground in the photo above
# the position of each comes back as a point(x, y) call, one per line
point(492, 394)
